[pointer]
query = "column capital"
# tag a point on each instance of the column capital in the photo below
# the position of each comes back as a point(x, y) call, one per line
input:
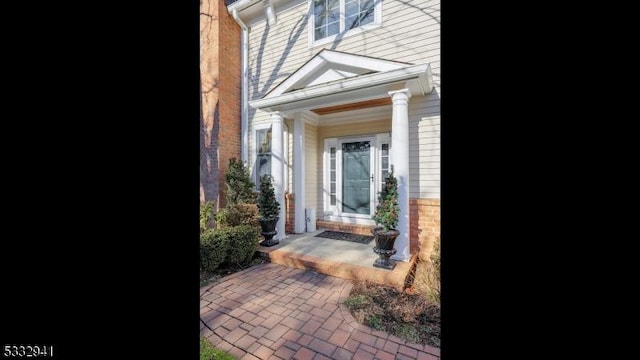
point(398, 95)
point(276, 116)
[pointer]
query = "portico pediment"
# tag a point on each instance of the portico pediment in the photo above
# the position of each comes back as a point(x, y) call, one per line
point(333, 78)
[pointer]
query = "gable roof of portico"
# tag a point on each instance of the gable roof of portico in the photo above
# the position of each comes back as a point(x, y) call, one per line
point(333, 78)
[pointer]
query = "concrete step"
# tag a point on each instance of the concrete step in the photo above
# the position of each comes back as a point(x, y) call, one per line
point(342, 259)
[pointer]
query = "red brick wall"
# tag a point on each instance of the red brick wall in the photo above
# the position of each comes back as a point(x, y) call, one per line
point(343, 227)
point(220, 73)
point(290, 211)
point(424, 215)
point(229, 65)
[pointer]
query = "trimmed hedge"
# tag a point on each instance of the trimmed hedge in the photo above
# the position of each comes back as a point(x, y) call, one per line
point(243, 243)
point(233, 245)
point(214, 244)
point(238, 214)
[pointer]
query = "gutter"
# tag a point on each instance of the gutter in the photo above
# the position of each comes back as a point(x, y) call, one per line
point(269, 12)
point(244, 122)
point(241, 5)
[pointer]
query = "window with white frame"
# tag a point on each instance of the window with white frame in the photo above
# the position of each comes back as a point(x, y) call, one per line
point(332, 176)
point(384, 159)
point(384, 163)
point(263, 154)
point(332, 17)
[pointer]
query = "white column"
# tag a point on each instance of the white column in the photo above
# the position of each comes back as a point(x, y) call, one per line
point(277, 169)
point(400, 163)
point(299, 173)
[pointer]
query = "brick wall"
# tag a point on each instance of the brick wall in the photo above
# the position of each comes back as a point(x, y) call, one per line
point(424, 225)
point(220, 72)
point(343, 227)
point(290, 211)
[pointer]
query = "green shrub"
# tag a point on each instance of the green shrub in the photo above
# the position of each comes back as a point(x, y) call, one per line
point(232, 245)
point(236, 215)
point(243, 243)
point(240, 188)
point(206, 215)
point(224, 218)
point(388, 210)
point(214, 245)
point(268, 206)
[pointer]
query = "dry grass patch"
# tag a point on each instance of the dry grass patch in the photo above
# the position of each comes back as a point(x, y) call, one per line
point(412, 314)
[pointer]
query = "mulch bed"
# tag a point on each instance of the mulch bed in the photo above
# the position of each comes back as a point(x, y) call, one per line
point(406, 314)
point(337, 235)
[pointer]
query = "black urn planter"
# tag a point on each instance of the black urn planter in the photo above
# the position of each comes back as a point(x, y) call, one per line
point(269, 231)
point(384, 247)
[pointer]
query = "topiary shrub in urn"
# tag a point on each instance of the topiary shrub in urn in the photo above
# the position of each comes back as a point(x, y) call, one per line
point(386, 216)
point(268, 211)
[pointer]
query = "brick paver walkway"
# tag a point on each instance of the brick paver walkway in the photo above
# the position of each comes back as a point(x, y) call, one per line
point(274, 312)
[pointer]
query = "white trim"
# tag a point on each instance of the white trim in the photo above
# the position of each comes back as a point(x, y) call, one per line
point(349, 33)
point(377, 22)
point(400, 162)
point(383, 138)
point(329, 59)
point(285, 155)
point(329, 209)
point(333, 212)
point(254, 151)
point(299, 173)
point(241, 5)
point(270, 12)
point(277, 169)
point(254, 11)
point(362, 87)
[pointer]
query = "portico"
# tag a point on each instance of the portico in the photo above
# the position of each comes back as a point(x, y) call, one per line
point(356, 111)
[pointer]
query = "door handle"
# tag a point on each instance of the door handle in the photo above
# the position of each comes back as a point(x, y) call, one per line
point(371, 177)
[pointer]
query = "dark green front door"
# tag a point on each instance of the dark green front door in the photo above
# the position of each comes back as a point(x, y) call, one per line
point(356, 195)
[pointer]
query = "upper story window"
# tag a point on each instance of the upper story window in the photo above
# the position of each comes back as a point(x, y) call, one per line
point(332, 17)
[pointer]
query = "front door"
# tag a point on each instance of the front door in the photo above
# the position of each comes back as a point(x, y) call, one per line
point(355, 186)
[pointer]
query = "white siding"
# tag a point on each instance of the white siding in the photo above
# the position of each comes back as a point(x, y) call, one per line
point(424, 147)
point(410, 32)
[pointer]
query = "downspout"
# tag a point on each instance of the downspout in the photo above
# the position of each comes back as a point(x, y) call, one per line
point(244, 122)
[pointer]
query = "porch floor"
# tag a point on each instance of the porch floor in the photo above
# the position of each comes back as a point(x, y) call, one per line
point(343, 259)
